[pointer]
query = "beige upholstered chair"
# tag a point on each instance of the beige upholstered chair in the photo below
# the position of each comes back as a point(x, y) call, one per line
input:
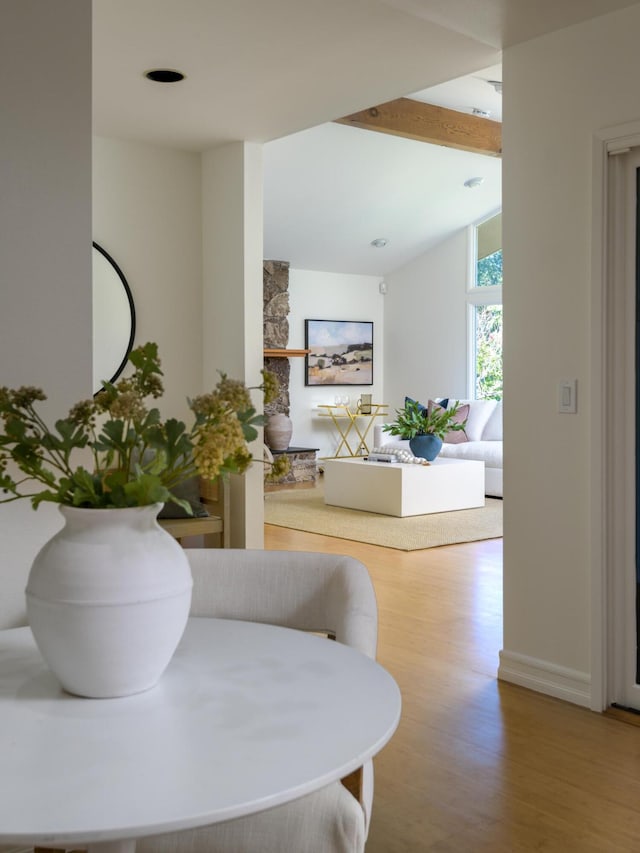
point(312, 592)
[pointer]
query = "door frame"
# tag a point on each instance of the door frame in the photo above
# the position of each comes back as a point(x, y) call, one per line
point(612, 511)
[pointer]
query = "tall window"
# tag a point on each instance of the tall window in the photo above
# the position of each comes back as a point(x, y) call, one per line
point(484, 309)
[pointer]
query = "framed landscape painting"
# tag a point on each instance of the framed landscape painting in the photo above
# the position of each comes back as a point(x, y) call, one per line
point(341, 352)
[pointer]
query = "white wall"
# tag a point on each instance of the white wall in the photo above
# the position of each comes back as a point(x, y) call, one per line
point(425, 325)
point(559, 89)
point(147, 215)
point(45, 237)
point(330, 296)
point(189, 272)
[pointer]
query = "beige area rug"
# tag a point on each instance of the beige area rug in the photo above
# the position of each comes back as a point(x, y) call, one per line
point(305, 509)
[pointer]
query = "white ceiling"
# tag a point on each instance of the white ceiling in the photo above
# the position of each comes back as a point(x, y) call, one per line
point(473, 91)
point(503, 23)
point(261, 70)
point(331, 190)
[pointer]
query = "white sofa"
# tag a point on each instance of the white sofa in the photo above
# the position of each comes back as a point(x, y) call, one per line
point(484, 434)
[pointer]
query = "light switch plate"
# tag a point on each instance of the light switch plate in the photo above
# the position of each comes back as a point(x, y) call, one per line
point(567, 396)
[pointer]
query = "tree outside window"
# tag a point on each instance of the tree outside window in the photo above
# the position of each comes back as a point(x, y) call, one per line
point(489, 272)
point(488, 352)
point(485, 301)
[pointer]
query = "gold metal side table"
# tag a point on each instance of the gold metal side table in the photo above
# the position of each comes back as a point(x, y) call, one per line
point(353, 427)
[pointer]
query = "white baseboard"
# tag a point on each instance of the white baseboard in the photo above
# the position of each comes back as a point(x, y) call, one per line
point(544, 677)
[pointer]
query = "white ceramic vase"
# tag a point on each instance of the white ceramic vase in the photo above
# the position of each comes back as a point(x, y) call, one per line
point(108, 599)
point(278, 431)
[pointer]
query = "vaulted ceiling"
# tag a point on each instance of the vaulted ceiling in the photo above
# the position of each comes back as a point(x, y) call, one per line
point(262, 71)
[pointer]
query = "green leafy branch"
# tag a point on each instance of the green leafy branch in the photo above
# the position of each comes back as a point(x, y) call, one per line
point(414, 419)
point(136, 457)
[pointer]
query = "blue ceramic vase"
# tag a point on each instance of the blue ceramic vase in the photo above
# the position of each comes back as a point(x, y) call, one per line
point(425, 446)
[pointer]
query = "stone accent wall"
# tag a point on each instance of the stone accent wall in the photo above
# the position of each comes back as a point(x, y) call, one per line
point(303, 468)
point(275, 288)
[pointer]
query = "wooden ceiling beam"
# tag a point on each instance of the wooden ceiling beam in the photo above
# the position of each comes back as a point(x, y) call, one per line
point(428, 123)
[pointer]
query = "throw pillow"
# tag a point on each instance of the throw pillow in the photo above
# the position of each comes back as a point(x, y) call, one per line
point(457, 436)
point(444, 402)
point(188, 491)
point(421, 408)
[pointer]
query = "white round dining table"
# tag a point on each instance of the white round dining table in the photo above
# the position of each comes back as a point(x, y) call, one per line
point(247, 716)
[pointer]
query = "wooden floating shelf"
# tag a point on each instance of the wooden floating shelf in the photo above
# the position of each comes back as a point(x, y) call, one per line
point(285, 353)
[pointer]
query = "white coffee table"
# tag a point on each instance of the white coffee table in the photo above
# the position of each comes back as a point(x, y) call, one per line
point(397, 488)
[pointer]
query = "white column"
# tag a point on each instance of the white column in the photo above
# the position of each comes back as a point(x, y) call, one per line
point(45, 204)
point(232, 301)
point(45, 236)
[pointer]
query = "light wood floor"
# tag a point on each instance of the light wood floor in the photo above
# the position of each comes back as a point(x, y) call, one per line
point(479, 766)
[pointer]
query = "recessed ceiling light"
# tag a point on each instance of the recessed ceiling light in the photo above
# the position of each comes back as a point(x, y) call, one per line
point(472, 183)
point(379, 242)
point(164, 75)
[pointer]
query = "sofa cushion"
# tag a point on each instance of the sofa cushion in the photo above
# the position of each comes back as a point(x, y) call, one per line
point(479, 413)
point(489, 452)
point(493, 428)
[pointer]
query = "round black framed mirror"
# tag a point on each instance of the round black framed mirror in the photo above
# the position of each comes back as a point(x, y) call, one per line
point(114, 319)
